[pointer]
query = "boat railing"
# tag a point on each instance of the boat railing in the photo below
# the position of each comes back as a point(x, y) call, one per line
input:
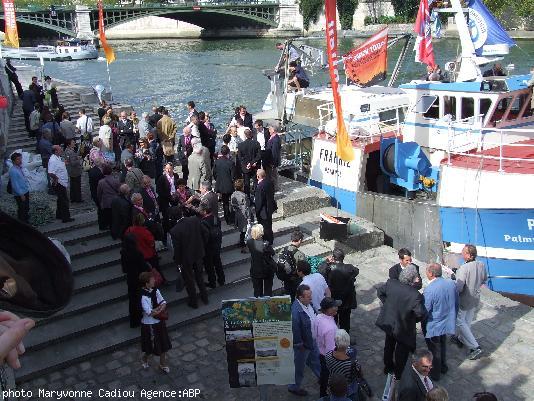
point(503, 139)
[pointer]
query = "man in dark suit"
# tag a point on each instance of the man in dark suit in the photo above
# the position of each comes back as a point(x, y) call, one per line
point(245, 116)
point(150, 200)
point(405, 259)
point(265, 205)
point(341, 278)
point(28, 105)
point(212, 260)
point(273, 156)
point(185, 148)
point(95, 174)
point(223, 172)
point(189, 239)
point(207, 198)
point(121, 212)
point(249, 153)
point(402, 307)
point(208, 135)
point(125, 128)
point(415, 382)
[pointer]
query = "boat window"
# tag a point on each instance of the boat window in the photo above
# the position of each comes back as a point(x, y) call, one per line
point(449, 106)
point(425, 103)
point(485, 105)
point(468, 107)
point(75, 50)
point(517, 105)
point(501, 109)
point(529, 109)
point(66, 50)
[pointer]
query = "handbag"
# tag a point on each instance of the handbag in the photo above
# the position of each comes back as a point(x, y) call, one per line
point(164, 314)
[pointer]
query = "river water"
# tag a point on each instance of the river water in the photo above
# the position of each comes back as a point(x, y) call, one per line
point(221, 74)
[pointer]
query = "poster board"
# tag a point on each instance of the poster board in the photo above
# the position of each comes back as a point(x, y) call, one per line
point(259, 341)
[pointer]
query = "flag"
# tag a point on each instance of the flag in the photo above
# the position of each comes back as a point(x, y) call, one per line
point(11, 34)
point(108, 51)
point(488, 36)
point(424, 53)
point(343, 145)
point(367, 64)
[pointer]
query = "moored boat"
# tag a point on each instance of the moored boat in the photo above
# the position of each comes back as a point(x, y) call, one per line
point(65, 50)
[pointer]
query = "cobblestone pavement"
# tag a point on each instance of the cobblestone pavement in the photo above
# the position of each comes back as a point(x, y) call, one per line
point(198, 358)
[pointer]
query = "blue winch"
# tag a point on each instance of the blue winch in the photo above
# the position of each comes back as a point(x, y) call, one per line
point(407, 166)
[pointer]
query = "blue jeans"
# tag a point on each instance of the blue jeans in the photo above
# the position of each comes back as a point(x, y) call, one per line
point(303, 357)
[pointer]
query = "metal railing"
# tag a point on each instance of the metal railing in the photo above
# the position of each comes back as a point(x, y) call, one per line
point(516, 136)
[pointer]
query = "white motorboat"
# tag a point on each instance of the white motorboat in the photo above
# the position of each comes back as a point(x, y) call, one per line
point(65, 50)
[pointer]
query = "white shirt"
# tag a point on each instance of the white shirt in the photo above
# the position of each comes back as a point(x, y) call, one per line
point(57, 167)
point(241, 133)
point(81, 122)
point(260, 137)
point(318, 286)
point(429, 386)
point(104, 133)
point(146, 305)
point(194, 130)
point(310, 312)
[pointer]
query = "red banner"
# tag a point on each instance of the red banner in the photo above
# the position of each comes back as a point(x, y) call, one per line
point(344, 147)
point(11, 34)
point(424, 52)
point(367, 65)
point(108, 51)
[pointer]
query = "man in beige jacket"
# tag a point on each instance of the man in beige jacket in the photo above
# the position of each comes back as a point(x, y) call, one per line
point(166, 133)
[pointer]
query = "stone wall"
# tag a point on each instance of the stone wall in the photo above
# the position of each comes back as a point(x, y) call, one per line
point(153, 27)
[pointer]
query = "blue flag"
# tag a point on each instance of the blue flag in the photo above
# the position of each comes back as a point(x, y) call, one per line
point(488, 36)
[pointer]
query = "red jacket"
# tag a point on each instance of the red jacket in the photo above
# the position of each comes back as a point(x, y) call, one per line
point(145, 241)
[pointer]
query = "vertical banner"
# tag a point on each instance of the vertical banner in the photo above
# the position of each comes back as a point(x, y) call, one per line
point(344, 146)
point(108, 51)
point(11, 34)
point(259, 341)
point(367, 65)
point(424, 52)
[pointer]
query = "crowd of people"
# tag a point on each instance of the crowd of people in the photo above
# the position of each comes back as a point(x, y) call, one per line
point(144, 202)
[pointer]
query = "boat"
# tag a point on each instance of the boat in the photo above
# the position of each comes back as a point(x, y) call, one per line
point(65, 50)
point(436, 164)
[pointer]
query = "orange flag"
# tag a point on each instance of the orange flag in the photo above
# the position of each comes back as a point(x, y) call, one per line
point(344, 147)
point(11, 34)
point(367, 64)
point(108, 51)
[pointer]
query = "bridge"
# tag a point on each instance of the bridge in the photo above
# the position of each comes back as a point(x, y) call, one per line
point(82, 21)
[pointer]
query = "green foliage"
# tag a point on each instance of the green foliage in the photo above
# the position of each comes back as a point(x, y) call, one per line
point(346, 9)
point(384, 19)
point(525, 8)
point(310, 10)
point(405, 8)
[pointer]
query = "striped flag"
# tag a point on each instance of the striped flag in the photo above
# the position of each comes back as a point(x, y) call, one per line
point(424, 53)
point(108, 51)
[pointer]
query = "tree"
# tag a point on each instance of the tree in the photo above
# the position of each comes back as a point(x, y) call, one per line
point(405, 9)
point(346, 9)
point(310, 10)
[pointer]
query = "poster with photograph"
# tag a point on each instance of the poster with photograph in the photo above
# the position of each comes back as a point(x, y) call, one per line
point(259, 341)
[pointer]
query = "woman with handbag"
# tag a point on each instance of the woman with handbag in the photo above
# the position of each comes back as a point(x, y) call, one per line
point(154, 336)
point(146, 243)
point(262, 265)
point(133, 264)
point(342, 360)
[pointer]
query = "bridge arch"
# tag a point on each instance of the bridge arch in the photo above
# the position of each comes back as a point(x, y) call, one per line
point(63, 23)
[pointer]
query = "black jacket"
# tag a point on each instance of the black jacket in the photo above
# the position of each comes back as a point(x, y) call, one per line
point(260, 255)
point(265, 204)
point(395, 271)
point(95, 174)
point(163, 189)
point(273, 148)
point(121, 216)
point(148, 203)
point(223, 172)
point(249, 152)
point(403, 306)
point(189, 239)
point(247, 121)
point(411, 388)
point(340, 278)
point(207, 137)
point(184, 151)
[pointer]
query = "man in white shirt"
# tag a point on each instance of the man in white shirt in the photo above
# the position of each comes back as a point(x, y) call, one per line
point(415, 382)
point(105, 134)
point(60, 181)
point(315, 281)
point(143, 126)
point(84, 124)
point(262, 136)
